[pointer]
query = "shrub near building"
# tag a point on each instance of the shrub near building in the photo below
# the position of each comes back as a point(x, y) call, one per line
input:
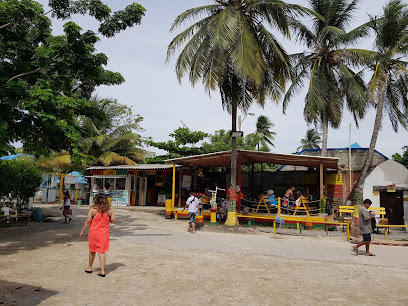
point(19, 179)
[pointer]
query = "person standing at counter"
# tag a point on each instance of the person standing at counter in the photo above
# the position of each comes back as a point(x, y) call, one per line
point(107, 190)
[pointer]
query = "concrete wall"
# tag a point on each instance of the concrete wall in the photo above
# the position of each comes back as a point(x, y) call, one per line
point(358, 157)
point(388, 173)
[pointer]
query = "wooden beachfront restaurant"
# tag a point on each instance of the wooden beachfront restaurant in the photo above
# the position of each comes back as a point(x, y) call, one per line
point(223, 159)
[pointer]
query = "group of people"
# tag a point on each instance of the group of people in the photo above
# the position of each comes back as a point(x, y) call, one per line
point(100, 215)
point(106, 190)
point(289, 198)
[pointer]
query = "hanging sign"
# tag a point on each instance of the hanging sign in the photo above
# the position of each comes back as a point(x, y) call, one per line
point(376, 192)
point(186, 183)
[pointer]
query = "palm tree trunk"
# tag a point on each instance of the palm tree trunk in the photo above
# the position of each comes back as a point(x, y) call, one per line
point(325, 126)
point(234, 149)
point(232, 209)
point(358, 186)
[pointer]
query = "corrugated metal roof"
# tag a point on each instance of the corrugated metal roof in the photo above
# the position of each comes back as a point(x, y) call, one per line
point(219, 159)
point(133, 167)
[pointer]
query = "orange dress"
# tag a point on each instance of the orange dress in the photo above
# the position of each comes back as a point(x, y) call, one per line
point(98, 236)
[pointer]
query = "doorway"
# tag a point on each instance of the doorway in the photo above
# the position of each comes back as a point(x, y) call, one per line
point(393, 204)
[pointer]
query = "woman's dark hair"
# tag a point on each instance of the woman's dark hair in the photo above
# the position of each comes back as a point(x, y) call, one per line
point(367, 201)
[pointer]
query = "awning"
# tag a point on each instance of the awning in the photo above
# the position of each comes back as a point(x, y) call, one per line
point(219, 159)
point(133, 167)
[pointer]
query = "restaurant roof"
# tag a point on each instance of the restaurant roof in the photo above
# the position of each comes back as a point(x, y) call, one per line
point(219, 159)
point(133, 167)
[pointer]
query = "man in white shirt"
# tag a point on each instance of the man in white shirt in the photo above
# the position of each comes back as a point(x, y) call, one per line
point(193, 205)
point(6, 211)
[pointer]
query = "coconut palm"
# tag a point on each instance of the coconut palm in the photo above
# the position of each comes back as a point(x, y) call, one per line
point(263, 134)
point(229, 49)
point(59, 162)
point(112, 139)
point(326, 67)
point(311, 141)
point(388, 86)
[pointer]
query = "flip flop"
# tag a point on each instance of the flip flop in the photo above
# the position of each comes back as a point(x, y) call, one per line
point(354, 250)
point(371, 254)
point(101, 275)
point(88, 271)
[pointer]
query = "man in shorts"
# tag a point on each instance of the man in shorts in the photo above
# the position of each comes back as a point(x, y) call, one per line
point(193, 205)
point(288, 197)
point(364, 219)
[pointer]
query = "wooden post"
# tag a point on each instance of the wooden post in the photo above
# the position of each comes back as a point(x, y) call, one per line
point(173, 189)
point(61, 184)
point(239, 183)
point(321, 182)
point(179, 197)
point(76, 192)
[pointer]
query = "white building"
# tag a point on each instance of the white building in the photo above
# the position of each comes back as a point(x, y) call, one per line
point(387, 186)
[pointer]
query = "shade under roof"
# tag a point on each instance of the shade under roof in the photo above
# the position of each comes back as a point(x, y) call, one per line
point(219, 159)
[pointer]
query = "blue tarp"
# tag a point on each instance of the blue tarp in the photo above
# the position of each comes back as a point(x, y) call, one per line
point(13, 156)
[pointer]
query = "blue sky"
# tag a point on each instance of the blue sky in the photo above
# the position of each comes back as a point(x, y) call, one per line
point(151, 87)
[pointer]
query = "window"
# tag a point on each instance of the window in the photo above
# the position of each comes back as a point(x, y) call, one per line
point(120, 183)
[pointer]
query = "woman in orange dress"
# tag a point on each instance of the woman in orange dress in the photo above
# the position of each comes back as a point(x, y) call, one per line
point(99, 217)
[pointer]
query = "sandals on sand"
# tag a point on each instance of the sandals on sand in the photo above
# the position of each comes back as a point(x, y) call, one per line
point(101, 275)
point(86, 271)
point(371, 254)
point(354, 250)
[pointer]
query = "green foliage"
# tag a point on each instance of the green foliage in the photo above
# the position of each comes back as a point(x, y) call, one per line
point(311, 141)
point(19, 179)
point(177, 147)
point(222, 141)
point(263, 134)
point(326, 67)
point(46, 81)
point(185, 136)
point(110, 134)
point(402, 159)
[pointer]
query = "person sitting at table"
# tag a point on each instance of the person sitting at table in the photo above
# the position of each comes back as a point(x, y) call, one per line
point(301, 199)
point(271, 198)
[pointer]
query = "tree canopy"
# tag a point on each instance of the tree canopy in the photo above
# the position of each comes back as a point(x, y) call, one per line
point(47, 81)
point(402, 159)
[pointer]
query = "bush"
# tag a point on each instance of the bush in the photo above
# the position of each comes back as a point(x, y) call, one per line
point(19, 179)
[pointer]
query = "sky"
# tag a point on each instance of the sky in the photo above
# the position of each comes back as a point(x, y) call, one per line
point(153, 91)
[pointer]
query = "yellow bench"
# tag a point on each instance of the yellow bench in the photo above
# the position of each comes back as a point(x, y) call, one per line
point(298, 220)
point(387, 227)
point(350, 210)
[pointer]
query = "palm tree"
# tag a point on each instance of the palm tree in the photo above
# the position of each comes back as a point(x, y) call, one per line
point(230, 50)
point(59, 162)
point(326, 67)
point(388, 86)
point(263, 134)
point(311, 141)
point(112, 139)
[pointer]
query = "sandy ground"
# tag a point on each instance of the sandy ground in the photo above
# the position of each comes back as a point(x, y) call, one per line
point(154, 261)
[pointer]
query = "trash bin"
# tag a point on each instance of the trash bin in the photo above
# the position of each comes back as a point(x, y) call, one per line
point(38, 215)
